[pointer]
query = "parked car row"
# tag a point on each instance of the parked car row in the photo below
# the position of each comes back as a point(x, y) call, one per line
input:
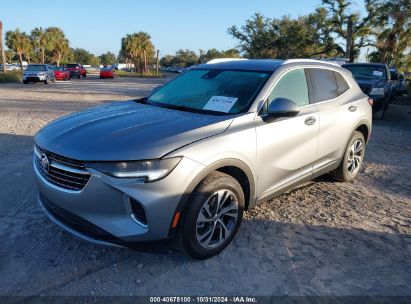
point(379, 82)
point(174, 69)
point(48, 73)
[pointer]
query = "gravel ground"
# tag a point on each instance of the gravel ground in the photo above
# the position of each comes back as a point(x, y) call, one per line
point(323, 238)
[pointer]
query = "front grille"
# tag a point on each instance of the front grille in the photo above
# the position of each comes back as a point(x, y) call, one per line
point(77, 223)
point(62, 172)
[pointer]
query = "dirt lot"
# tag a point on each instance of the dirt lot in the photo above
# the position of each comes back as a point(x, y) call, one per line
point(324, 238)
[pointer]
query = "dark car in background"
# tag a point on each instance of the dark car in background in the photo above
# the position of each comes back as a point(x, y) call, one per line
point(374, 80)
point(76, 70)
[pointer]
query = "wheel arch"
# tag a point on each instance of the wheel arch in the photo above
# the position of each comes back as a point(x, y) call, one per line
point(233, 167)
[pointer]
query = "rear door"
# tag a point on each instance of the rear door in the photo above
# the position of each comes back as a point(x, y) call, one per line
point(338, 114)
point(287, 146)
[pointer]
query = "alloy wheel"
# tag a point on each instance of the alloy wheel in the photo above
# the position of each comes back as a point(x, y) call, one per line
point(355, 156)
point(217, 219)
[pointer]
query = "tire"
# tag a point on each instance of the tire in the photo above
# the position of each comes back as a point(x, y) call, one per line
point(205, 238)
point(351, 162)
point(79, 76)
point(46, 81)
point(380, 114)
point(25, 82)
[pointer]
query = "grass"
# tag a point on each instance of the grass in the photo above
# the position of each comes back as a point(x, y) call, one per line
point(122, 73)
point(11, 76)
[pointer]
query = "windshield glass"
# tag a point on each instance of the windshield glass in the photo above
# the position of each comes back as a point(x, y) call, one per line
point(70, 65)
point(218, 91)
point(36, 68)
point(367, 71)
point(58, 68)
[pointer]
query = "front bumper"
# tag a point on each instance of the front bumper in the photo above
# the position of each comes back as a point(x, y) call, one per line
point(34, 78)
point(102, 212)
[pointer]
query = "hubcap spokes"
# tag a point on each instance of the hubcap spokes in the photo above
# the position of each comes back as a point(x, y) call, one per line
point(355, 156)
point(217, 218)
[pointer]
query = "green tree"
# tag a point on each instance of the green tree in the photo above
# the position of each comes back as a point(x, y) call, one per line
point(41, 41)
point(59, 44)
point(10, 54)
point(18, 42)
point(394, 31)
point(137, 48)
point(262, 37)
point(108, 58)
point(184, 58)
point(166, 60)
point(82, 56)
point(214, 53)
point(350, 26)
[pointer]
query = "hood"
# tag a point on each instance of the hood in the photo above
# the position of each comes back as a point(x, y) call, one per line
point(127, 131)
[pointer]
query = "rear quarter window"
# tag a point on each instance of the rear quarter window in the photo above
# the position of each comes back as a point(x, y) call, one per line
point(341, 83)
point(325, 84)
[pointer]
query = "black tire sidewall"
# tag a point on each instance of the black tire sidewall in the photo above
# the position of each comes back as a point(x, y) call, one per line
point(209, 185)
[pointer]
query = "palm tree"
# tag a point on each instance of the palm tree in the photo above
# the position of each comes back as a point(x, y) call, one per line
point(137, 48)
point(59, 45)
point(3, 54)
point(41, 40)
point(396, 20)
point(18, 41)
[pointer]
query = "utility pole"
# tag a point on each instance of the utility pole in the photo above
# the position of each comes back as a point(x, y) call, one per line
point(3, 55)
point(158, 52)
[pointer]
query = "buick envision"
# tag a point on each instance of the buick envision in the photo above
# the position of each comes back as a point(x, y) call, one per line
point(187, 161)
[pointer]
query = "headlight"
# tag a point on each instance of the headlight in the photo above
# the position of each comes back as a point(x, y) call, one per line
point(149, 170)
point(42, 74)
point(377, 91)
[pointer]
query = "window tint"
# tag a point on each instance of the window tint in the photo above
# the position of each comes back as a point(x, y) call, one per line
point(293, 86)
point(341, 83)
point(324, 83)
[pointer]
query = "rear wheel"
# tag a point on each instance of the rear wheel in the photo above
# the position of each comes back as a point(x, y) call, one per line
point(352, 159)
point(213, 216)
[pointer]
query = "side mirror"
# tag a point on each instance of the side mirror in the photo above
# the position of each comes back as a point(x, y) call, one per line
point(282, 107)
point(155, 90)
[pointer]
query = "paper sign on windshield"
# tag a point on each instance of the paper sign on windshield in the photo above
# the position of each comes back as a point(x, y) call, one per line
point(377, 73)
point(220, 103)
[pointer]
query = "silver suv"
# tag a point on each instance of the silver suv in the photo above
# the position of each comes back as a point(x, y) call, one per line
point(187, 161)
point(38, 73)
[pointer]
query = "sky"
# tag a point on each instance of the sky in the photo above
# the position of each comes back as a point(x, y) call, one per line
point(99, 25)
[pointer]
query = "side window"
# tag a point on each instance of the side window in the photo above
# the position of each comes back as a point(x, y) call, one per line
point(293, 85)
point(341, 83)
point(325, 84)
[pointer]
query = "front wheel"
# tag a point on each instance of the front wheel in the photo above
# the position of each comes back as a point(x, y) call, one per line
point(46, 81)
point(352, 159)
point(213, 216)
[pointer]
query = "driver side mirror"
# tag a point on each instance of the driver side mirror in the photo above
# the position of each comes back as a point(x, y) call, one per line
point(282, 107)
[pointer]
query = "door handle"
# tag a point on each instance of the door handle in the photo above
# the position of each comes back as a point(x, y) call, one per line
point(352, 108)
point(310, 121)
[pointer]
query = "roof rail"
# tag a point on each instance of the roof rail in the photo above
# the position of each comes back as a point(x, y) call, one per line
point(218, 60)
point(310, 60)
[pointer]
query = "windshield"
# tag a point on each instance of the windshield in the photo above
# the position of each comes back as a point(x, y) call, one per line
point(367, 71)
point(72, 65)
point(36, 68)
point(58, 68)
point(218, 91)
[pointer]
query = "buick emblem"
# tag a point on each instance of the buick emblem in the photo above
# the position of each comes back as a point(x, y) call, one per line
point(45, 163)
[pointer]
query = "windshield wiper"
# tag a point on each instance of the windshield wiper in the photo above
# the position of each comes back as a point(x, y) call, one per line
point(188, 109)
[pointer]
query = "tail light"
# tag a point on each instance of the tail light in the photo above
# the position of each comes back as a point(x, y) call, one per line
point(371, 101)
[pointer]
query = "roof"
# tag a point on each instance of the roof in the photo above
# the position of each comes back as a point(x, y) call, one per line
point(364, 63)
point(252, 65)
point(258, 64)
